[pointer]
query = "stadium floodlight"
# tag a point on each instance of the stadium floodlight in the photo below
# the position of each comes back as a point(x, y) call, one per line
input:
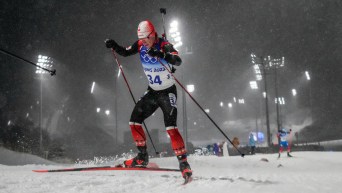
point(92, 88)
point(257, 71)
point(307, 75)
point(190, 88)
point(253, 58)
point(44, 62)
point(98, 109)
point(175, 34)
point(253, 84)
point(107, 112)
point(221, 104)
point(230, 105)
point(281, 100)
point(294, 92)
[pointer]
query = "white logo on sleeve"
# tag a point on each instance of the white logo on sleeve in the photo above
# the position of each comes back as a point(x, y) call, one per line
point(173, 99)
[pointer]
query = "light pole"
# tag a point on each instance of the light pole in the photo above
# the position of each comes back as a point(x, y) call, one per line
point(45, 62)
point(275, 64)
point(177, 40)
point(257, 63)
point(308, 77)
point(254, 86)
point(268, 63)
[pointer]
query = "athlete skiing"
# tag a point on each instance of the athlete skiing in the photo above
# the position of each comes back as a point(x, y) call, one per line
point(282, 134)
point(161, 92)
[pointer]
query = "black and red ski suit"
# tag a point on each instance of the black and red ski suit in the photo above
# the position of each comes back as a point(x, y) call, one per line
point(161, 92)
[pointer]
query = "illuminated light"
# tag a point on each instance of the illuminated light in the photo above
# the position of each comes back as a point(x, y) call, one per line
point(107, 112)
point(282, 101)
point(307, 75)
point(119, 73)
point(241, 101)
point(253, 84)
point(174, 24)
point(190, 88)
point(175, 34)
point(221, 104)
point(195, 123)
point(234, 99)
point(230, 105)
point(173, 30)
point(92, 88)
point(207, 110)
point(98, 110)
point(264, 94)
point(178, 44)
point(258, 77)
point(257, 72)
point(294, 92)
point(44, 62)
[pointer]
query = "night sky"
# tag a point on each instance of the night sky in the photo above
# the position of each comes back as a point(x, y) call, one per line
point(221, 35)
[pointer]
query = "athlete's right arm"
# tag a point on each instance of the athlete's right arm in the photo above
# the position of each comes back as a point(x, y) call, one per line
point(122, 50)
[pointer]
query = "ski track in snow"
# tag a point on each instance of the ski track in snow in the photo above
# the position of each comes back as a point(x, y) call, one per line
point(306, 172)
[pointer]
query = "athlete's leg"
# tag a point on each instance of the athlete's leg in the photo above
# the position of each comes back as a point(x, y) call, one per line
point(167, 101)
point(143, 109)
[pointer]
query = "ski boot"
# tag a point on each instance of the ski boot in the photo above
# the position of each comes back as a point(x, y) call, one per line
point(184, 166)
point(141, 160)
point(288, 154)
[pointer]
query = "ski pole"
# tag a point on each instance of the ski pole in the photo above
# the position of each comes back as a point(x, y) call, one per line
point(130, 91)
point(52, 72)
point(163, 12)
point(181, 85)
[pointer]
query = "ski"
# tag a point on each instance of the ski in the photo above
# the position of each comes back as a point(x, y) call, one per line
point(114, 168)
point(107, 168)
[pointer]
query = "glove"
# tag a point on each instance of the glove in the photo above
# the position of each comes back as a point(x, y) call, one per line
point(154, 52)
point(111, 44)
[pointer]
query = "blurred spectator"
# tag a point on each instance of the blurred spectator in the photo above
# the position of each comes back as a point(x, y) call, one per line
point(236, 142)
point(251, 143)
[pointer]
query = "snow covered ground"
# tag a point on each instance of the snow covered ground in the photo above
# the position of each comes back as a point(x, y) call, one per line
point(306, 172)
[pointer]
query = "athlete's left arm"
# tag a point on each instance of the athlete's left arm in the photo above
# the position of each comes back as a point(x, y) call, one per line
point(171, 55)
